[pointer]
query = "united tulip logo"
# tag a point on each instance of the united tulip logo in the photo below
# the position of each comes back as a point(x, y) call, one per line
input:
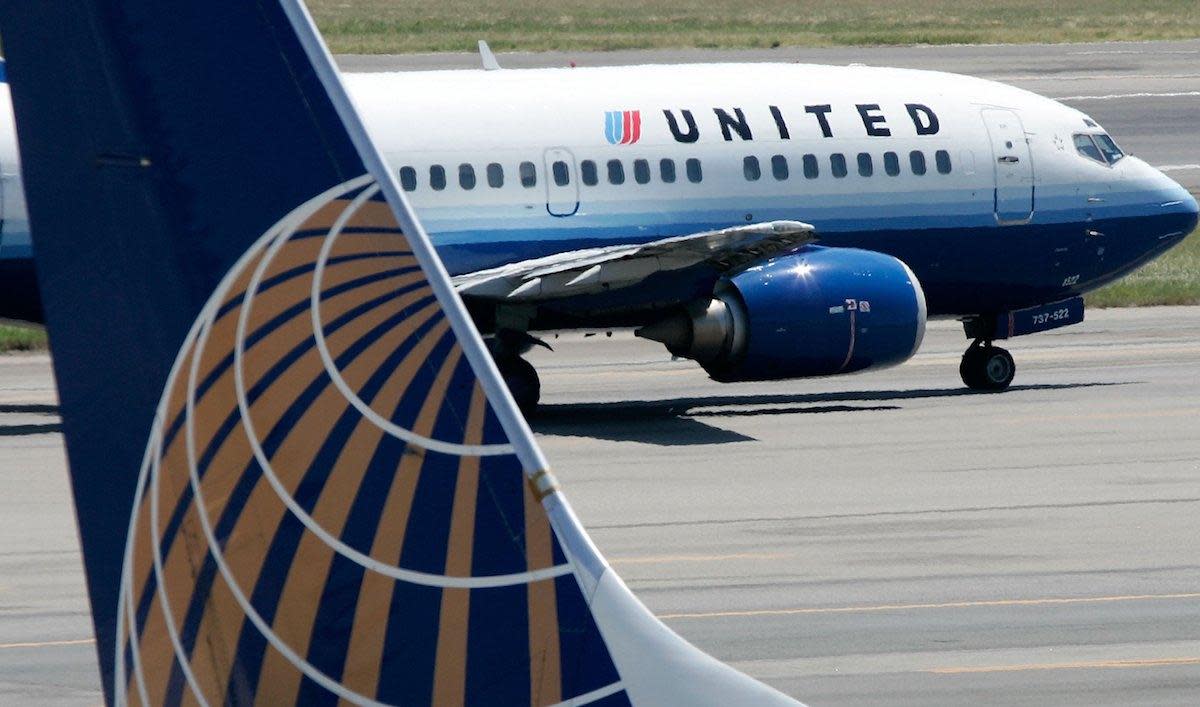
point(622, 127)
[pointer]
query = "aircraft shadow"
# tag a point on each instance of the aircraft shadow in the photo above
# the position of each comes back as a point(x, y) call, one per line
point(675, 422)
point(21, 430)
point(29, 409)
point(24, 430)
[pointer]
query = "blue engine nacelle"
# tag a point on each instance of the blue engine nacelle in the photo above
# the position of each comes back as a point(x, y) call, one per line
point(815, 312)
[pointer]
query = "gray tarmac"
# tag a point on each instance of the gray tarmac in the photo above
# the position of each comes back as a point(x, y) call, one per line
point(893, 539)
point(885, 538)
point(1146, 94)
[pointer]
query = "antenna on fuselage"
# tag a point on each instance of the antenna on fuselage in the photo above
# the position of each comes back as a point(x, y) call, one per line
point(487, 57)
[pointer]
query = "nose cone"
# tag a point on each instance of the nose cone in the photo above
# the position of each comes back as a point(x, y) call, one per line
point(1158, 215)
point(1173, 210)
point(1191, 212)
point(1183, 210)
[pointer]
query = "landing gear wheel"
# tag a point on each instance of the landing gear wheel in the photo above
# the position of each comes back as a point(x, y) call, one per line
point(522, 380)
point(987, 367)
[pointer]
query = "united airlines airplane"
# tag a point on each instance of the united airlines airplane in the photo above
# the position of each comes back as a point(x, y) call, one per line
point(768, 221)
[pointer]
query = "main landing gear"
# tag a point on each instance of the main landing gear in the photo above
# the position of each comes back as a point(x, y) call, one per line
point(507, 347)
point(522, 380)
point(987, 367)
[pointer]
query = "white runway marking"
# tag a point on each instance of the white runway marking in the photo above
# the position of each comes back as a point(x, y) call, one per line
point(1177, 167)
point(1115, 96)
point(1133, 51)
point(48, 644)
point(1009, 78)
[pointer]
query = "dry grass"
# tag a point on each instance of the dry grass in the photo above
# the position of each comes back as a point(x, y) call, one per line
point(404, 26)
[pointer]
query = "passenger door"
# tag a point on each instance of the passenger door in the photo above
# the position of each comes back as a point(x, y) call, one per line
point(562, 182)
point(1012, 165)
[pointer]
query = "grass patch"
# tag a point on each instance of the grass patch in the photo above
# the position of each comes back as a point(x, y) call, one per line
point(406, 26)
point(1172, 279)
point(17, 337)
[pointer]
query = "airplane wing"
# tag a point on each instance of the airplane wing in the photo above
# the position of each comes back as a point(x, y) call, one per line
point(593, 270)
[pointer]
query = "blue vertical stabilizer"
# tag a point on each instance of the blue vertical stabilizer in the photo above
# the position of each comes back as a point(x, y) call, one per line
point(297, 475)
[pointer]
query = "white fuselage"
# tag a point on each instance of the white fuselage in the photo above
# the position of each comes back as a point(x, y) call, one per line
point(978, 186)
point(1011, 173)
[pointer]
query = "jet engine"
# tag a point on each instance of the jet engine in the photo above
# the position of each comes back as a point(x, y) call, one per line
point(817, 311)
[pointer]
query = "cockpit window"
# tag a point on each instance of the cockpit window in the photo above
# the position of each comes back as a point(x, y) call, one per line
point(1099, 147)
point(1087, 148)
point(1108, 147)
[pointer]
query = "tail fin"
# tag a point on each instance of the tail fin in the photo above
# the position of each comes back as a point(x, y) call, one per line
point(297, 474)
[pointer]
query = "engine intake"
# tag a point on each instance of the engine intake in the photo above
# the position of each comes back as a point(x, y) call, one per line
point(818, 311)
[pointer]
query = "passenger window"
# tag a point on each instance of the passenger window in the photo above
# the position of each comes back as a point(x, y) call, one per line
point(751, 169)
point(562, 176)
point(1108, 147)
point(666, 170)
point(811, 169)
point(616, 172)
point(942, 159)
point(779, 167)
point(891, 164)
point(694, 173)
point(837, 165)
point(437, 177)
point(495, 175)
point(466, 176)
point(916, 161)
point(865, 166)
point(528, 174)
point(641, 171)
point(587, 172)
point(408, 178)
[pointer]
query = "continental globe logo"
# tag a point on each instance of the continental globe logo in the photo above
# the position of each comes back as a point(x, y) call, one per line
point(328, 507)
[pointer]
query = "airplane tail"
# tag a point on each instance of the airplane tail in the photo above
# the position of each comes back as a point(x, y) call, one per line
point(298, 477)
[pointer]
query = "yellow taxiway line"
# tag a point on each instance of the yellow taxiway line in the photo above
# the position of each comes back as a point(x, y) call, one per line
point(940, 605)
point(1080, 665)
point(663, 559)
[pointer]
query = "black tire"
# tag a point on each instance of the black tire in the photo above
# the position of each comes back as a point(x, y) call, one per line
point(987, 368)
point(522, 380)
point(968, 368)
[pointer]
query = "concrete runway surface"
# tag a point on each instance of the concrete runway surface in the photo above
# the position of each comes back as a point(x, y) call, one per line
point(1146, 94)
point(887, 538)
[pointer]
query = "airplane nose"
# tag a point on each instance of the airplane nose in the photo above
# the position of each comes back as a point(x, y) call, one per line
point(1178, 206)
point(1192, 209)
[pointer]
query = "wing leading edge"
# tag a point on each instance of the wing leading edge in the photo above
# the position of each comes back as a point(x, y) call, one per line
point(297, 474)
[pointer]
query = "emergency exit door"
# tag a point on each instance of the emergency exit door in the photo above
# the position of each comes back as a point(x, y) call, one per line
point(562, 182)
